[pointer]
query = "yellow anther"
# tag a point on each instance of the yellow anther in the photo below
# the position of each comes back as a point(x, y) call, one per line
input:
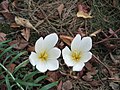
point(76, 56)
point(43, 56)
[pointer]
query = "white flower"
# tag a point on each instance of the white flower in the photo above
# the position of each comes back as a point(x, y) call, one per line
point(79, 53)
point(45, 55)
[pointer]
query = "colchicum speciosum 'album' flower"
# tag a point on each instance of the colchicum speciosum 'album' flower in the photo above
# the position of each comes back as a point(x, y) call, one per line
point(79, 53)
point(45, 55)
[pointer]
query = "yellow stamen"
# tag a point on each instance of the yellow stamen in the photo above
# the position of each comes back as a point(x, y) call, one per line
point(43, 56)
point(76, 56)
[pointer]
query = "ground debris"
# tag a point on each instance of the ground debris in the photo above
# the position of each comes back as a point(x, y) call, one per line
point(67, 85)
point(2, 36)
point(115, 86)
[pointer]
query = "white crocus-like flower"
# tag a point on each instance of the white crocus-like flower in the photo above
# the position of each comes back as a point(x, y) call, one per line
point(45, 55)
point(79, 53)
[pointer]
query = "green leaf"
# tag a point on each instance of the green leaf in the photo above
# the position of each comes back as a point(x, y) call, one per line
point(7, 57)
point(27, 83)
point(48, 86)
point(30, 75)
point(7, 83)
point(24, 63)
point(2, 46)
point(40, 78)
point(6, 41)
point(6, 50)
point(16, 57)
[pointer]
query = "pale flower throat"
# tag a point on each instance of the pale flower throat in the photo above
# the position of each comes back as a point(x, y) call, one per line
point(76, 56)
point(43, 56)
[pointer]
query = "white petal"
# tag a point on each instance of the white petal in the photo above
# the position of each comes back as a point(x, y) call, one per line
point(54, 53)
point(33, 58)
point(78, 67)
point(66, 53)
point(50, 41)
point(86, 44)
point(86, 56)
point(41, 66)
point(75, 45)
point(52, 64)
point(39, 45)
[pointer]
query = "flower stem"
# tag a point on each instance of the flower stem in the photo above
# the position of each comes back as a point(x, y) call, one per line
point(11, 76)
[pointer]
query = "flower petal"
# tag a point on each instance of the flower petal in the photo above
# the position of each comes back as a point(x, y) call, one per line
point(54, 53)
point(50, 41)
point(86, 56)
point(39, 45)
point(78, 66)
point(41, 66)
point(33, 58)
point(75, 45)
point(86, 44)
point(52, 64)
point(66, 53)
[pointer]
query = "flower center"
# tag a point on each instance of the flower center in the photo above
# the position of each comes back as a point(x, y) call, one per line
point(76, 56)
point(43, 56)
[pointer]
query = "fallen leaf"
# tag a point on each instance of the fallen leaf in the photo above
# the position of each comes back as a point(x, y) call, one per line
point(87, 77)
point(95, 33)
point(83, 7)
point(14, 25)
point(67, 85)
point(88, 66)
point(18, 44)
point(25, 23)
point(60, 9)
point(26, 33)
point(114, 86)
point(91, 71)
point(4, 5)
point(66, 39)
point(2, 36)
point(6, 13)
point(53, 76)
point(59, 87)
point(11, 67)
point(8, 16)
point(83, 12)
point(30, 48)
point(81, 73)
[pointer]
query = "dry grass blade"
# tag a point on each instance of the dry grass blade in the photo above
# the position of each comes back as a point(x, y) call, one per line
point(109, 71)
point(106, 39)
point(95, 33)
